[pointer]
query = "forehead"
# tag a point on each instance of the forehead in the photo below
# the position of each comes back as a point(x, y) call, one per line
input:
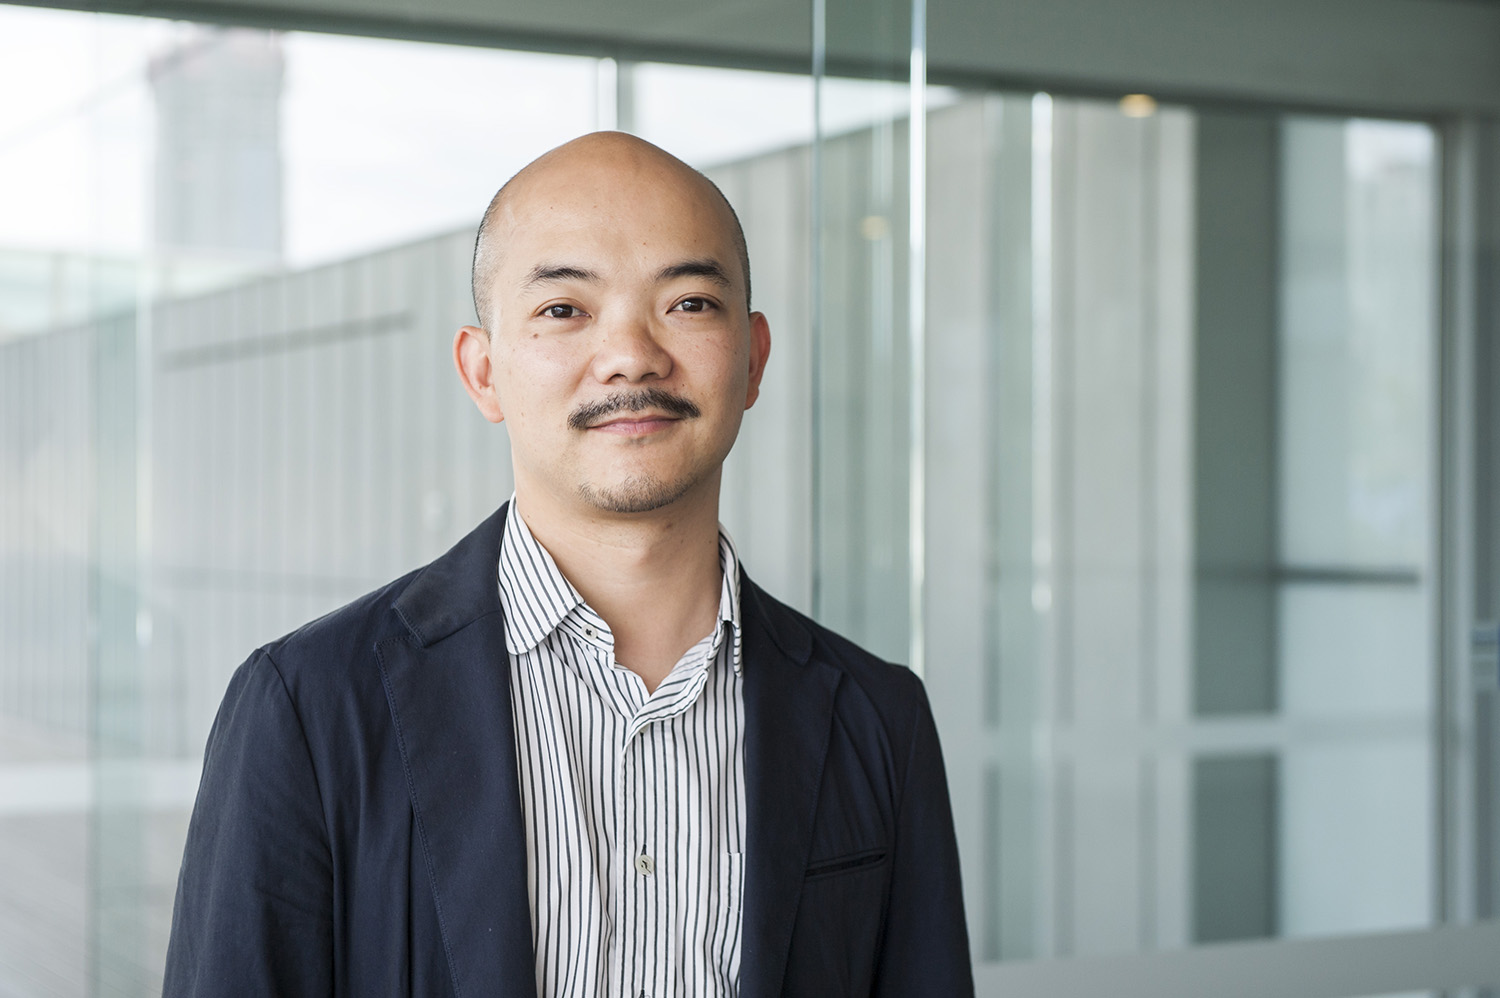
point(615, 215)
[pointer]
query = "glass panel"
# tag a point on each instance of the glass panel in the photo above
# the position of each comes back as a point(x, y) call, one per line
point(1164, 392)
point(710, 117)
point(861, 394)
point(1356, 368)
point(1235, 854)
point(1356, 836)
point(1180, 630)
point(868, 385)
point(1060, 293)
point(1348, 651)
point(231, 410)
point(1354, 605)
point(369, 127)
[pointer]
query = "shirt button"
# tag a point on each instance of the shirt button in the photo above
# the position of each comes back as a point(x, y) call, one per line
point(589, 631)
point(645, 865)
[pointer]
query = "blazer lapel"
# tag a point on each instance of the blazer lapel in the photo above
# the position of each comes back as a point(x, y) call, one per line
point(448, 683)
point(788, 713)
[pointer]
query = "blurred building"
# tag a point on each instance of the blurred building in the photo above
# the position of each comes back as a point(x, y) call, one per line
point(217, 182)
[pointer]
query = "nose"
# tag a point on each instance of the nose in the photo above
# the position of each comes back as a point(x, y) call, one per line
point(629, 351)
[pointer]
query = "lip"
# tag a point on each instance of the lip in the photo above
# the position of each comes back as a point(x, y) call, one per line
point(635, 425)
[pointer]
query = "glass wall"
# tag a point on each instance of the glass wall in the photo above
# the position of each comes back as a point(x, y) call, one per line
point(228, 402)
point(1180, 586)
point(1178, 468)
point(1116, 419)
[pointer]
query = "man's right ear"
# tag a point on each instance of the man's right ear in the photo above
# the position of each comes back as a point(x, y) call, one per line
point(471, 355)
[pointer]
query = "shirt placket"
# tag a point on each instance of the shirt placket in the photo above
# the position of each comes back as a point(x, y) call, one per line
point(641, 899)
point(640, 952)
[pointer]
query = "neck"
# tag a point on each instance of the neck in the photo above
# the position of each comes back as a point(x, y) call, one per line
point(654, 577)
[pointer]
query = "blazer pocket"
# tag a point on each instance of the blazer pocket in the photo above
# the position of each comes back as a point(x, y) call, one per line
point(845, 864)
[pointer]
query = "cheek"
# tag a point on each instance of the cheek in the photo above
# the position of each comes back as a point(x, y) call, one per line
point(535, 379)
point(717, 363)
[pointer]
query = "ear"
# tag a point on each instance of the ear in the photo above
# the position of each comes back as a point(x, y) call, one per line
point(471, 355)
point(760, 350)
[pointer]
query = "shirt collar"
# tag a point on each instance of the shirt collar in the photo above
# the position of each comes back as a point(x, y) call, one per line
point(537, 597)
point(534, 594)
point(729, 596)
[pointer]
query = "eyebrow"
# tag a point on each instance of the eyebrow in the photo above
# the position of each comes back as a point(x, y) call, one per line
point(709, 269)
point(544, 273)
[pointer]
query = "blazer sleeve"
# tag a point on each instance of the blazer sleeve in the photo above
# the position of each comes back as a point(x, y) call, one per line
point(254, 906)
point(925, 950)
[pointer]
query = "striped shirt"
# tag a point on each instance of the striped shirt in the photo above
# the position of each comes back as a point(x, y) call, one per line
point(633, 803)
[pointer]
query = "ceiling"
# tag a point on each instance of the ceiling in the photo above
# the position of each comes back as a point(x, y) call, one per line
point(1399, 57)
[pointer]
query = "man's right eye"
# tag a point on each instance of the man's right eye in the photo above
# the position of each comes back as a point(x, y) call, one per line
point(561, 312)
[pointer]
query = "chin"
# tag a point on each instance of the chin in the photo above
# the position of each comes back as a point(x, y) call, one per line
point(639, 494)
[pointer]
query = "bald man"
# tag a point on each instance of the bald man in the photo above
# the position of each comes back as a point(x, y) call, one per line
point(581, 753)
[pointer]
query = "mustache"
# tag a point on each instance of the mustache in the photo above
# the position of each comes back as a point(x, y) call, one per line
point(650, 398)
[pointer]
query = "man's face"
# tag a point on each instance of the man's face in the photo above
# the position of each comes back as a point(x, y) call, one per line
point(620, 351)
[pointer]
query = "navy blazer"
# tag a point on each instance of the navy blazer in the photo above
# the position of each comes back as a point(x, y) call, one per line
point(358, 826)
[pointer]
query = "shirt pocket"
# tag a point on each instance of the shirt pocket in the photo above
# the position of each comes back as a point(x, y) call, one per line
point(731, 881)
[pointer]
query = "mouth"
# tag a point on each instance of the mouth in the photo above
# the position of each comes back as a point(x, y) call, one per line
point(634, 413)
point(633, 425)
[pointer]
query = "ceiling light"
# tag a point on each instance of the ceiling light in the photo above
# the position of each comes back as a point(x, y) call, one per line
point(1137, 105)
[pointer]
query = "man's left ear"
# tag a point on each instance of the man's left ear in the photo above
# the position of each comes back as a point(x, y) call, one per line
point(760, 349)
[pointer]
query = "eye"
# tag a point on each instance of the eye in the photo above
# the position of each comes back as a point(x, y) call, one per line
point(694, 305)
point(561, 312)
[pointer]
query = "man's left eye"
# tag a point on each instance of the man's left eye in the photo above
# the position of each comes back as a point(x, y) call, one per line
point(693, 305)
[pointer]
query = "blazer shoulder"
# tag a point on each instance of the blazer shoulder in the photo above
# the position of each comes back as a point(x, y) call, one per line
point(424, 605)
point(893, 690)
point(352, 629)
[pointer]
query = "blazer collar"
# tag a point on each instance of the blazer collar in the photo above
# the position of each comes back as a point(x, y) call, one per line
point(457, 588)
point(448, 684)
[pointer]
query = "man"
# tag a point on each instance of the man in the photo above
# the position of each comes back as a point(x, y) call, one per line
point(581, 753)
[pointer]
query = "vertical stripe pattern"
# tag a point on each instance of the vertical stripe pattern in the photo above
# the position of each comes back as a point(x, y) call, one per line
point(633, 802)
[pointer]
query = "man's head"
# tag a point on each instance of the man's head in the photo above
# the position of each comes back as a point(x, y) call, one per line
point(618, 344)
point(486, 248)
